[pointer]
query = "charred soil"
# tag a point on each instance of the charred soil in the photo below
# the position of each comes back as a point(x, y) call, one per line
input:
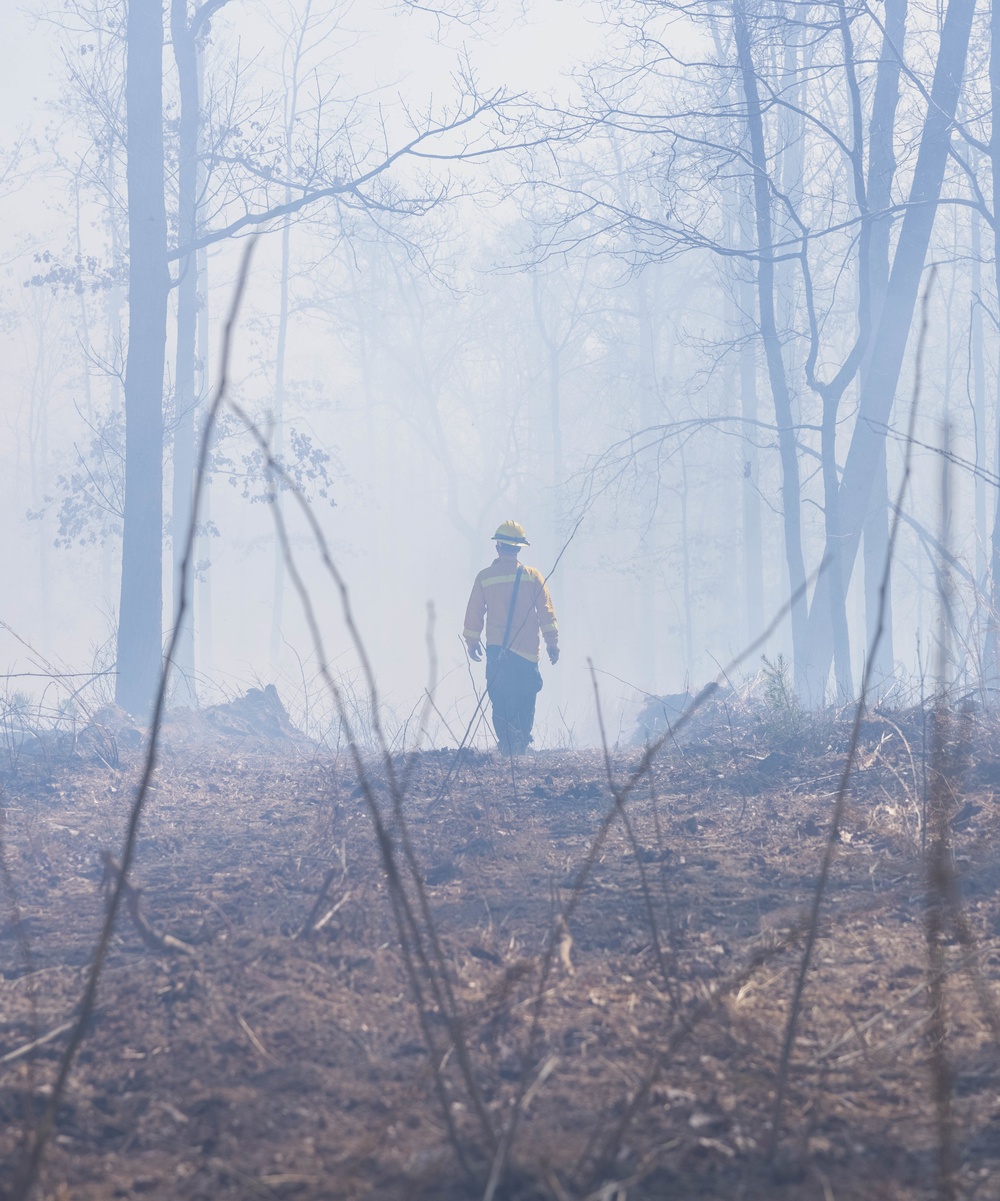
point(631, 1017)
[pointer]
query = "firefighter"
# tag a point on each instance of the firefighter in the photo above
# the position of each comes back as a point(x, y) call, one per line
point(517, 608)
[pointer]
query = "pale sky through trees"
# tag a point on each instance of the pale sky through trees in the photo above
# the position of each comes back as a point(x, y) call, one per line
point(560, 314)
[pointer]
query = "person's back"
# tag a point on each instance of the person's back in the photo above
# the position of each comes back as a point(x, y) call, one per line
point(512, 601)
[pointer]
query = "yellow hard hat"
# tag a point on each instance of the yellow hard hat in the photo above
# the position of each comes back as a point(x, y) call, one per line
point(511, 533)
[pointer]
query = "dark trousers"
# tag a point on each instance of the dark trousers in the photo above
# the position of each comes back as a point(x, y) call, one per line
point(513, 683)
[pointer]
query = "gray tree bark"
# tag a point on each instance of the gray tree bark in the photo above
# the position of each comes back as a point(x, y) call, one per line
point(978, 365)
point(881, 170)
point(991, 656)
point(790, 485)
point(278, 438)
point(753, 554)
point(747, 329)
point(185, 394)
point(879, 386)
point(648, 648)
point(206, 636)
point(140, 616)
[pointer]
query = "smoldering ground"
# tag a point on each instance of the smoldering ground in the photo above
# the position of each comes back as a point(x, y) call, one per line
point(618, 978)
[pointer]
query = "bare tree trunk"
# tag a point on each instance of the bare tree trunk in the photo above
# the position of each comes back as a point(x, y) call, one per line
point(140, 625)
point(746, 324)
point(881, 170)
point(113, 347)
point(877, 574)
point(790, 487)
point(878, 388)
point(277, 604)
point(185, 396)
point(647, 647)
point(291, 115)
point(991, 654)
point(686, 574)
point(206, 632)
point(376, 474)
point(833, 583)
point(554, 363)
point(978, 365)
point(788, 170)
point(753, 554)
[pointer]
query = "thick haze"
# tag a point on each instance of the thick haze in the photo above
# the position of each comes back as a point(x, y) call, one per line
point(490, 357)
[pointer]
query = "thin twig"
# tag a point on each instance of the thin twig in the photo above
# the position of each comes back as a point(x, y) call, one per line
point(840, 804)
point(27, 1048)
point(89, 998)
point(647, 896)
point(415, 925)
point(152, 938)
point(939, 879)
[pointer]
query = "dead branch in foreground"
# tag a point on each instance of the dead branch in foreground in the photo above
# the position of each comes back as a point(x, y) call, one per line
point(152, 938)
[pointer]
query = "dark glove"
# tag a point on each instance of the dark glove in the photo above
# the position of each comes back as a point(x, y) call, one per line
point(475, 649)
point(553, 652)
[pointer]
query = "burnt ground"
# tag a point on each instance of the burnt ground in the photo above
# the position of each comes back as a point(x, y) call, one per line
point(275, 1057)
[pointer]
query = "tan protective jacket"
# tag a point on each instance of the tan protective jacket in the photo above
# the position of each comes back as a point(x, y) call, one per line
point(533, 612)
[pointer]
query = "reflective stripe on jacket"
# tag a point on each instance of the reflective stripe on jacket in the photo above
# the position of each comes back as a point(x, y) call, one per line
point(533, 612)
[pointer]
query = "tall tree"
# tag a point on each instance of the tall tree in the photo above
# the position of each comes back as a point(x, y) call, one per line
point(140, 630)
point(881, 171)
point(791, 500)
point(185, 31)
point(878, 389)
point(992, 650)
point(260, 193)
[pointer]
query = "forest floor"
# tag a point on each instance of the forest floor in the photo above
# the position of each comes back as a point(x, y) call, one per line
point(637, 1038)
